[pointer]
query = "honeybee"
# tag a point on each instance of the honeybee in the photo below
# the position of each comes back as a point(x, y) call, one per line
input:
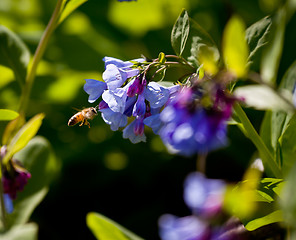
point(83, 117)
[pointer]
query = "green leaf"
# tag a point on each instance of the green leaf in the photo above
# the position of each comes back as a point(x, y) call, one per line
point(14, 54)
point(288, 198)
point(7, 115)
point(273, 51)
point(39, 159)
point(23, 136)
point(256, 36)
point(27, 231)
point(287, 144)
point(104, 228)
point(275, 123)
point(276, 216)
point(180, 33)
point(267, 211)
point(235, 47)
point(69, 8)
point(262, 97)
point(201, 49)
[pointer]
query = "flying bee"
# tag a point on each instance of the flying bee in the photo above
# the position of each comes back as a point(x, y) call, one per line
point(83, 117)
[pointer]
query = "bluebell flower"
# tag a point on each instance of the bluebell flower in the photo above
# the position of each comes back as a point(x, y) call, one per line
point(135, 131)
point(116, 120)
point(202, 195)
point(185, 228)
point(94, 89)
point(154, 122)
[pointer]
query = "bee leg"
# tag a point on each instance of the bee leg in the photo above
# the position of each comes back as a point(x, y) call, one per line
point(87, 123)
point(82, 123)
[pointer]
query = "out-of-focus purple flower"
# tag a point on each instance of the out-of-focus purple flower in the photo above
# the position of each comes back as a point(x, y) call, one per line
point(94, 89)
point(15, 181)
point(185, 228)
point(202, 195)
point(8, 203)
point(191, 128)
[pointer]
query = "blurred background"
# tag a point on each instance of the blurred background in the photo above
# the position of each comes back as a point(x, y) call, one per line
point(102, 172)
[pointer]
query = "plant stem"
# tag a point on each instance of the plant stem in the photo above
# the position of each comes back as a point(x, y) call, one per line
point(38, 55)
point(252, 134)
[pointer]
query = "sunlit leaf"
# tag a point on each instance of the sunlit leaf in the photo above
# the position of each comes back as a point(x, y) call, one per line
point(11, 129)
point(23, 136)
point(273, 51)
point(14, 53)
point(257, 38)
point(180, 33)
point(235, 47)
point(104, 228)
point(39, 159)
point(70, 7)
point(262, 97)
point(276, 216)
point(265, 210)
point(7, 115)
point(27, 231)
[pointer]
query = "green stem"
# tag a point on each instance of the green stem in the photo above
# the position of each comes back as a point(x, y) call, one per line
point(251, 133)
point(38, 55)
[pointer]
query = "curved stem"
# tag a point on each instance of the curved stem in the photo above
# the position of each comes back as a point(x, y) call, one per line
point(251, 133)
point(38, 55)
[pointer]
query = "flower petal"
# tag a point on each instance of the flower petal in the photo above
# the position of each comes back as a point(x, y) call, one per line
point(94, 89)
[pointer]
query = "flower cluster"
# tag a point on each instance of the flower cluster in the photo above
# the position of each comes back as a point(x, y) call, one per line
point(205, 198)
point(190, 118)
point(127, 94)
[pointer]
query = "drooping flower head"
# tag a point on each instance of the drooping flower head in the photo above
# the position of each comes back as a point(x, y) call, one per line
point(126, 94)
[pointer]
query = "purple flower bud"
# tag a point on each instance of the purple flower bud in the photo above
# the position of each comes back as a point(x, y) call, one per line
point(15, 182)
point(103, 105)
point(139, 127)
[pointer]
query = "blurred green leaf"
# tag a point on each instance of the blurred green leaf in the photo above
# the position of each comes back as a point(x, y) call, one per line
point(14, 53)
point(262, 98)
point(257, 35)
point(275, 122)
point(7, 115)
point(139, 17)
point(273, 217)
point(200, 48)
point(71, 5)
point(27, 231)
point(180, 33)
point(23, 136)
point(11, 129)
point(104, 228)
point(235, 47)
point(273, 51)
point(267, 211)
point(287, 144)
point(39, 159)
point(288, 198)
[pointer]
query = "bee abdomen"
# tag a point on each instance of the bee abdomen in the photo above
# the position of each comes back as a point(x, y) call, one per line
point(74, 119)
